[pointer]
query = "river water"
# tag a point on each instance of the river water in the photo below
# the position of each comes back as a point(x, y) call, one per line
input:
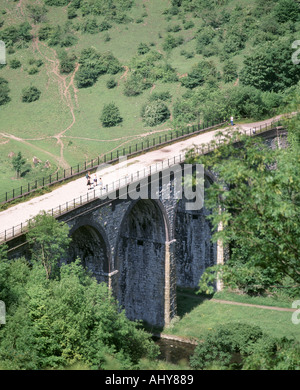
point(174, 351)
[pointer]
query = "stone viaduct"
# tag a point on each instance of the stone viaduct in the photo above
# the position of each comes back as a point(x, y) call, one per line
point(143, 248)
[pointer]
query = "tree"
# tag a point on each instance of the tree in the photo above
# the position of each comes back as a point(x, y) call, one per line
point(14, 63)
point(270, 68)
point(48, 240)
point(37, 13)
point(110, 115)
point(68, 319)
point(4, 90)
point(66, 62)
point(257, 201)
point(30, 94)
point(155, 112)
point(230, 71)
point(286, 10)
point(18, 161)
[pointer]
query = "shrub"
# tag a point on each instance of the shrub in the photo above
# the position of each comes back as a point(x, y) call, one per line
point(135, 85)
point(229, 71)
point(72, 12)
point(110, 115)
point(37, 13)
point(30, 94)
point(143, 48)
point(111, 83)
point(72, 318)
point(33, 70)
point(104, 26)
point(155, 112)
point(14, 64)
point(171, 42)
point(56, 3)
point(160, 96)
point(93, 64)
point(189, 24)
point(67, 62)
point(224, 341)
point(193, 79)
point(44, 32)
point(286, 10)
point(90, 26)
point(4, 90)
point(13, 34)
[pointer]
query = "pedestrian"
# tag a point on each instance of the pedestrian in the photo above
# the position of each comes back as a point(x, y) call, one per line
point(95, 180)
point(231, 120)
point(89, 180)
point(100, 183)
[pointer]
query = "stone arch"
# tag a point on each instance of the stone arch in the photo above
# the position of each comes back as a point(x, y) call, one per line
point(194, 250)
point(90, 244)
point(140, 259)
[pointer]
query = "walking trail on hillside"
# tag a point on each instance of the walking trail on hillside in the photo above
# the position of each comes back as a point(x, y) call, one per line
point(20, 213)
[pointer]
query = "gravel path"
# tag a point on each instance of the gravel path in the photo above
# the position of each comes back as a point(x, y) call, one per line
point(20, 213)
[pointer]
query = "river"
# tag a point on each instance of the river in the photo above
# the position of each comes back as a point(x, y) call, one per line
point(174, 351)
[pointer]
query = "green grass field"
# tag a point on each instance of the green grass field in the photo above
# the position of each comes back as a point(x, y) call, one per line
point(197, 315)
point(70, 114)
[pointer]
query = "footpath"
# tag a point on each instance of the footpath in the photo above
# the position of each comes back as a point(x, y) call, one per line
point(22, 212)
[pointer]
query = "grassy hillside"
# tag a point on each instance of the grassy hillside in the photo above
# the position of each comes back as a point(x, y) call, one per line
point(192, 50)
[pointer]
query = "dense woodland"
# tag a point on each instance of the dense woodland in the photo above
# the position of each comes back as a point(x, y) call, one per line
point(60, 317)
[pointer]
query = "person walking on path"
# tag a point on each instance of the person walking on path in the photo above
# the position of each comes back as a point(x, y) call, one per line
point(231, 120)
point(95, 180)
point(88, 180)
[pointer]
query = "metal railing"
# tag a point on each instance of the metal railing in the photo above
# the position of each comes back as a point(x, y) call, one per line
point(108, 158)
point(109, 189)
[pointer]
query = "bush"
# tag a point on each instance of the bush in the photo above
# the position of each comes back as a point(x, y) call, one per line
point(111, 83)
point(30, 94)
point(110, 115)
point(104, 26)
point(4, 90)
point(287, 10)
point(72, 12)
point(90, 26)
point(155, 113)
point(193, 79)
point(66, 62)
point(143, 48)
point(223, 342)
point(93, 64)
point(13, 34)
point(37, 13)
point(171, 42)
point(14, 64)
point(189, 24)
point(135, 85)
point(160, 96)
point(72, 318)
point(229, 71)
point(33, 70)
